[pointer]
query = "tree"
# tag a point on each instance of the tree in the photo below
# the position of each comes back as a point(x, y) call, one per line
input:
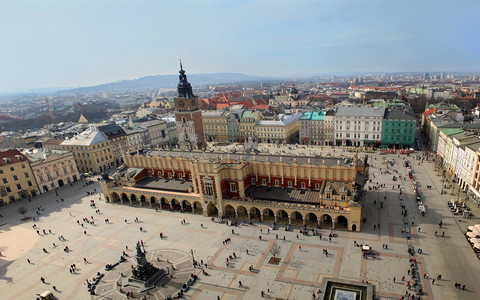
point(22, 210)
point(275, 250)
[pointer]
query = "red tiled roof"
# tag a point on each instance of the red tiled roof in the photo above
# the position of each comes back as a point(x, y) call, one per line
point(13, 155)
point(429, 111)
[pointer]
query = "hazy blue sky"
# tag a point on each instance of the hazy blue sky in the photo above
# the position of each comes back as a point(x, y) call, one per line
point(69, 43)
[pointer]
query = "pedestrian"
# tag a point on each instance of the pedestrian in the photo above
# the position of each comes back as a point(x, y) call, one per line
point(240, 284)
point(433, 281)
point(42, 279)
point(394, 279)
point(247, 251)
point(300, 247)
point(201, 225)
point(141, 228)
point(443, 233)
point(435, 233)
point(28, 260)
point(297, 236)
point(54, 288)
point(233, 232)
point(85, 260)
point(419, 229)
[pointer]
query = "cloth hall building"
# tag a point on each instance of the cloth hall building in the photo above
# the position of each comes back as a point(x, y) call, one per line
point(321, 192)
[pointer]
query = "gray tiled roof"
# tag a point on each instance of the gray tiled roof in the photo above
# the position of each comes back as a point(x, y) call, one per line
point(282, 195)
point(317, 160)
point(165, 184)
point(343, 111)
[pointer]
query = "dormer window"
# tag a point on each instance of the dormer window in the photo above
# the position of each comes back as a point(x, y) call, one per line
point(329, 196)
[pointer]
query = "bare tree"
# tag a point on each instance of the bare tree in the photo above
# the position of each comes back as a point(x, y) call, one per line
point(275, 250)
point(22, 210)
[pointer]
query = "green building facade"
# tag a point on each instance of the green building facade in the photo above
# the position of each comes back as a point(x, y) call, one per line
point(398, 127)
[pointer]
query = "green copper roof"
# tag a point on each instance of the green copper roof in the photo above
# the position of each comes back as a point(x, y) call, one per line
point(451, 131)
point(313, 115)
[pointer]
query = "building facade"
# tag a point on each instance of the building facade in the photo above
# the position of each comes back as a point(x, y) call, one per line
point(398, 128)
point(303, 191)
point(358, 126)
point(311, 128)
point(215, 125)
point(91, 150)
point(247, 124)
point(277, 131)
point(53, 169)
point(16, 177)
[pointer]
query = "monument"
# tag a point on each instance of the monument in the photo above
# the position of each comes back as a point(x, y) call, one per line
point(145, 272)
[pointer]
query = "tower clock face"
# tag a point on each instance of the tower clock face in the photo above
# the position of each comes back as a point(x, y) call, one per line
point(181, 103)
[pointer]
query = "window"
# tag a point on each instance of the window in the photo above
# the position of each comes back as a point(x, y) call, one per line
point(169, 175)
point(57, 173)
point(233, 187)
point(276, 183)
point(26, 175)
point(328, 196)
point(40, 177)
point(343, 197)
point(49, 177)
point(317, 186)
point(15, 177)
point(180, 176)
point(4, 180)
point(303, 185)
point(64, 170)
point(1, 171)
point(12, 169)
point(9, 190)
point(23, 166)
point(208, 188)
point(253, 181)
point(29, 183)
point(19, 186)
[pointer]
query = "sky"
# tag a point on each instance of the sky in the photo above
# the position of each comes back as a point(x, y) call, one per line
point(73, 43)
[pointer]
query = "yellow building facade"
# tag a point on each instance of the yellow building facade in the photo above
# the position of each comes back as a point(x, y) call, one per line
point(16, 177)
point(303, 191)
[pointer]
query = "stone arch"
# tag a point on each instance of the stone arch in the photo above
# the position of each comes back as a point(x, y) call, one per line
point(133, 198)
point(143, 200)
point(164, 203)
point(115, 197)
point(282, 217)
point(186, 206)
point(254, 213)
point(153, 202)
point(197, 208)
point(342, 223)
point(229, 211)
point(311, 220)
point(354, 227)
point(296, 218)
point(212, 210)
point(175, 204)
point(326, 221)
point(124, 198)
point(242, 212)
point(268, 215)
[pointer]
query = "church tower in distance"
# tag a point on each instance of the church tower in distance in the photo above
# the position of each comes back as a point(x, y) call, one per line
point(188, 116)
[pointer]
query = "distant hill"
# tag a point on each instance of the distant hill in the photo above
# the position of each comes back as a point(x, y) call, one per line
point(169, 81)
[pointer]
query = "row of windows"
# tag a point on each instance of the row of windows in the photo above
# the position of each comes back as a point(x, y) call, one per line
point(18, 185)
point(11, 169)
point(15, 177)
point(355, 135)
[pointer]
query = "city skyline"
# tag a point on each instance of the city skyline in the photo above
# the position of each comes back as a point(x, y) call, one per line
point(72, 44)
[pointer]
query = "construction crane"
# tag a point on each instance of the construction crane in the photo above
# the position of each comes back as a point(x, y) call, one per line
point(48, 106)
